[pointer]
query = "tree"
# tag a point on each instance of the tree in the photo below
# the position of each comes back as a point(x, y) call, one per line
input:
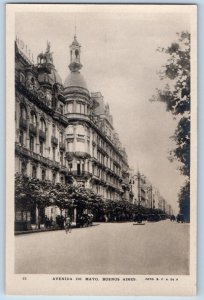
point(31, 192)
point(61, 197)
point(184, 201)
point(177, 97)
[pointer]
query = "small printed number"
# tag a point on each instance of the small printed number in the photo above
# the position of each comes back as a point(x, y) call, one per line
point(24, 278)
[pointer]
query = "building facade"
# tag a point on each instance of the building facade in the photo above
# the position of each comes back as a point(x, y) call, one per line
point(146, 195)
point(64, 132)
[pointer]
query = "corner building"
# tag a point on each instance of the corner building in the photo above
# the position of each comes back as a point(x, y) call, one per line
point(64, 133)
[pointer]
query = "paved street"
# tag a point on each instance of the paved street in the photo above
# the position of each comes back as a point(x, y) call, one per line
point(107, 248)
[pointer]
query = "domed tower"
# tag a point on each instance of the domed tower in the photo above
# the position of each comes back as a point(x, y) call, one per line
point(75, 83)
point(77, 108)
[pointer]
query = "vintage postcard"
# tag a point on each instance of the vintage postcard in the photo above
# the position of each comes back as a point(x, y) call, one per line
point(101, 194)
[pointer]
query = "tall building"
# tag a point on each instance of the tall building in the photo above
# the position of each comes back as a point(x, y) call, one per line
point(64, 132)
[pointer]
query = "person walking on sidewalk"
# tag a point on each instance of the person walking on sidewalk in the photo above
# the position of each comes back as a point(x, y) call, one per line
point(68, 225)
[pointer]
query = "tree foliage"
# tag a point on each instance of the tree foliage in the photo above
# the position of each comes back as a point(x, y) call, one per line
point(184, 201)
point(176, 95)
point(31, 191)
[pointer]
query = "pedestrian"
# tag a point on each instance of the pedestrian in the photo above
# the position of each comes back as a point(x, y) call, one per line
point(68, 225)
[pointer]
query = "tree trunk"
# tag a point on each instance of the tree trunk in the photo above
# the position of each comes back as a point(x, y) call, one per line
point(37, 217)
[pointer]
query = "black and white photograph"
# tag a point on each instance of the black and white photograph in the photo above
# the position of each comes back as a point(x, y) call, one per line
point(101, 148)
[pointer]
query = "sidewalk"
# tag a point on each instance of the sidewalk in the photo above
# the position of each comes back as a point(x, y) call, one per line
point(35, 230)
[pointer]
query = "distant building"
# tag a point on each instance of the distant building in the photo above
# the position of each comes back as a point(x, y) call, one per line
point(65, 133)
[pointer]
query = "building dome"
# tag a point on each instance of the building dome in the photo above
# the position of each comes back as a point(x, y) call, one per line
point(47, 72)
point(52, 77)
point(75, 79)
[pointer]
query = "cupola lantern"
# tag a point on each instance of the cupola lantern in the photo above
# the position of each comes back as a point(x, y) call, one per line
point(75, 52)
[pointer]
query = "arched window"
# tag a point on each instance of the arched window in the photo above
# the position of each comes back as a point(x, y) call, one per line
point(31, 143)
point(42, 124)
point(23, 112)
point(33, 118)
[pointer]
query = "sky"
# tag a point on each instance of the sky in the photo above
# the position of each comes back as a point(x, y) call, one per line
point(120, 60)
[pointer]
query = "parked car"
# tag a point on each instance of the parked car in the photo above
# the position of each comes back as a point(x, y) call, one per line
point(84, 220)
point(138, 218)
point(153, 218)
point(180, 218)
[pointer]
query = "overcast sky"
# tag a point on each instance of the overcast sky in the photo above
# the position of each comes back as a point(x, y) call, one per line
point(120, 60)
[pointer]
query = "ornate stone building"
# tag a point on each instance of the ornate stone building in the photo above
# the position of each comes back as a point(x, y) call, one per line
point(65, 133)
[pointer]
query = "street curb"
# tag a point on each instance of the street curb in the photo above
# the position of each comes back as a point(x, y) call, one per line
point(46, 230)
point(36, 231)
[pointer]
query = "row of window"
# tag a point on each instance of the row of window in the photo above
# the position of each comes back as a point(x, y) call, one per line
point(43, 173)
point(103, 191)
point(77, 107)
point(104, 176)
point(23, 115)
point(101, 143)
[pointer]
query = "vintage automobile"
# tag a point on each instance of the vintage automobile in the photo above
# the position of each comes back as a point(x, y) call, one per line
point(154, 218)
point(180, 218)
point(138, 218)
point(84, 220)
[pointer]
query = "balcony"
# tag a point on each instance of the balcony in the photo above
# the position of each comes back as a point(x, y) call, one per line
point(64, 169)
point(42, 135)
point(94, 160)
point(55, 164)
point(45, 161)
point(36, 157)
point(96, 179)
point(77, 116)
point(78, 154)
point(62, 146)
point(60, 118)
point(32, 129)
point(54, 140)
point(83, 174)
point(23, 123)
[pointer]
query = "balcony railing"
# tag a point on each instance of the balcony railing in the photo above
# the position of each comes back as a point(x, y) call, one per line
point(55, 164)
point(62, 146)
point(23, 123)
point(54, 140)
point(78, 154)
point(64, 170)
point(35, 156)
point(84, 174)
point(32, 129)
point(42, 134)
